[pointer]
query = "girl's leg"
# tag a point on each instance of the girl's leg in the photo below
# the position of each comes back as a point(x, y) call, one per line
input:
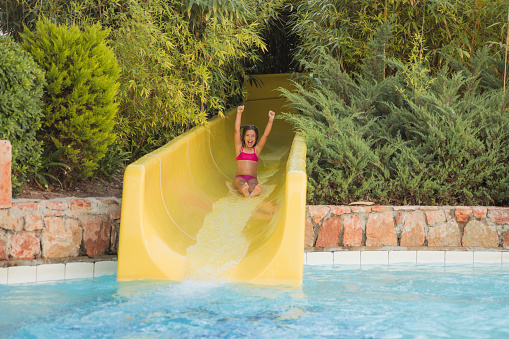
point(241, 185)
point(254, 187)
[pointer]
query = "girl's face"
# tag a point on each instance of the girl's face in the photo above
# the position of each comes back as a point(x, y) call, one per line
point(250, 138)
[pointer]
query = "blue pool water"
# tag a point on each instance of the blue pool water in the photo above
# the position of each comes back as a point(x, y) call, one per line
point(377, 302)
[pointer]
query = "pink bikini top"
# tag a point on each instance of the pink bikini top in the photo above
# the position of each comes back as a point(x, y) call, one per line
point(247, 156)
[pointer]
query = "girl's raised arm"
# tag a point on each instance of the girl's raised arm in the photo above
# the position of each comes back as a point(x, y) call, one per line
point(236, 136)
point(266, 133)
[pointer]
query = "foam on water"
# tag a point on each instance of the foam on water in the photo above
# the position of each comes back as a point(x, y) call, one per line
point(411, 301)
point(214, 255)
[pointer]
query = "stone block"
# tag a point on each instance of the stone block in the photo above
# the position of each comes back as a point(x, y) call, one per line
point(114, 214)
point(448, 214)
point(23, 207)
point(444, 234)
point(4, 251)
point(61, 237)
point(480, 212)
point(106, 201)
point(462, 214)
point(353, 230)
point(499, 216)
point(115, 227)
point(361, 209)
point(405, 208)
point(427, 208)
point(33, 222)
point(318, 213)
point(57, 205)
point(413, 230)
point(479, 234)
point(80, 205)
point(338, 210)
point(381, 208)
point(505, 241)
point(25, 246)
point(53, 214)
point(309, 233)
point(328, 234)
point(400, 218)
point(434, 217)
point(5, 174)
point(96, 235)
point(380, 230)
point(9, 222)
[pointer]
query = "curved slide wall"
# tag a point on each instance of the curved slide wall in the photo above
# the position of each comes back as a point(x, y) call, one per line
point(180, 214)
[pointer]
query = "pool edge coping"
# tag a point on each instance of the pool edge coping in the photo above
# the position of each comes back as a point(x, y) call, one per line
point(16, 273)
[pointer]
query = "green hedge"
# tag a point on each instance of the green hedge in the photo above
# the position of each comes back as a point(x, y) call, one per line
point(407, 138)
point(21, 89)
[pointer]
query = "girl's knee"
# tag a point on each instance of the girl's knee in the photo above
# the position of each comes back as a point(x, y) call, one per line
point(238, 182)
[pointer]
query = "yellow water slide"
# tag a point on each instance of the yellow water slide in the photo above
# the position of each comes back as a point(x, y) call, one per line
point(181, 219)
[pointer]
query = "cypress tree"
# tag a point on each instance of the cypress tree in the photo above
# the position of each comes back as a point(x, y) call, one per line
point(81, 72)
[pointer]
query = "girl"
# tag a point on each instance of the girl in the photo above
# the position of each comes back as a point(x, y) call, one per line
point(248, 149)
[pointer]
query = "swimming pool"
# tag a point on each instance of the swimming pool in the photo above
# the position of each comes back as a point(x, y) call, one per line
point(376, 301)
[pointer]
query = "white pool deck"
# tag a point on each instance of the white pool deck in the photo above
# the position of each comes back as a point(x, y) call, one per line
point(348, 259)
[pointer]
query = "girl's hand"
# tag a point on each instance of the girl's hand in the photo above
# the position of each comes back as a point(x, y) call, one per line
point(272, 114)
point(240, 109)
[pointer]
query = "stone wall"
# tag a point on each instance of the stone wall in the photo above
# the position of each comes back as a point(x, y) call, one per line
point(59, 228)
point(410, 226)
point(77, 228)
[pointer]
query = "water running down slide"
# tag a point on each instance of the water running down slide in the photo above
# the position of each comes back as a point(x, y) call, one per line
point(181, 219)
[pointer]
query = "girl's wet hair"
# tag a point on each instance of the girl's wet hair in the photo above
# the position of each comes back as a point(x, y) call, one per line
point(246, 128)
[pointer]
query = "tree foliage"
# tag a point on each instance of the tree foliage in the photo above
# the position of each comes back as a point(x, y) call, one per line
point(81, 72)
point(21, 89)
point(341, 28)
point(182, 62)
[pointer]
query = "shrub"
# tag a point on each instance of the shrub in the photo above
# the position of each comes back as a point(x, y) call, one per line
point(21, 89)
point(81, 71)
point(406, 138)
